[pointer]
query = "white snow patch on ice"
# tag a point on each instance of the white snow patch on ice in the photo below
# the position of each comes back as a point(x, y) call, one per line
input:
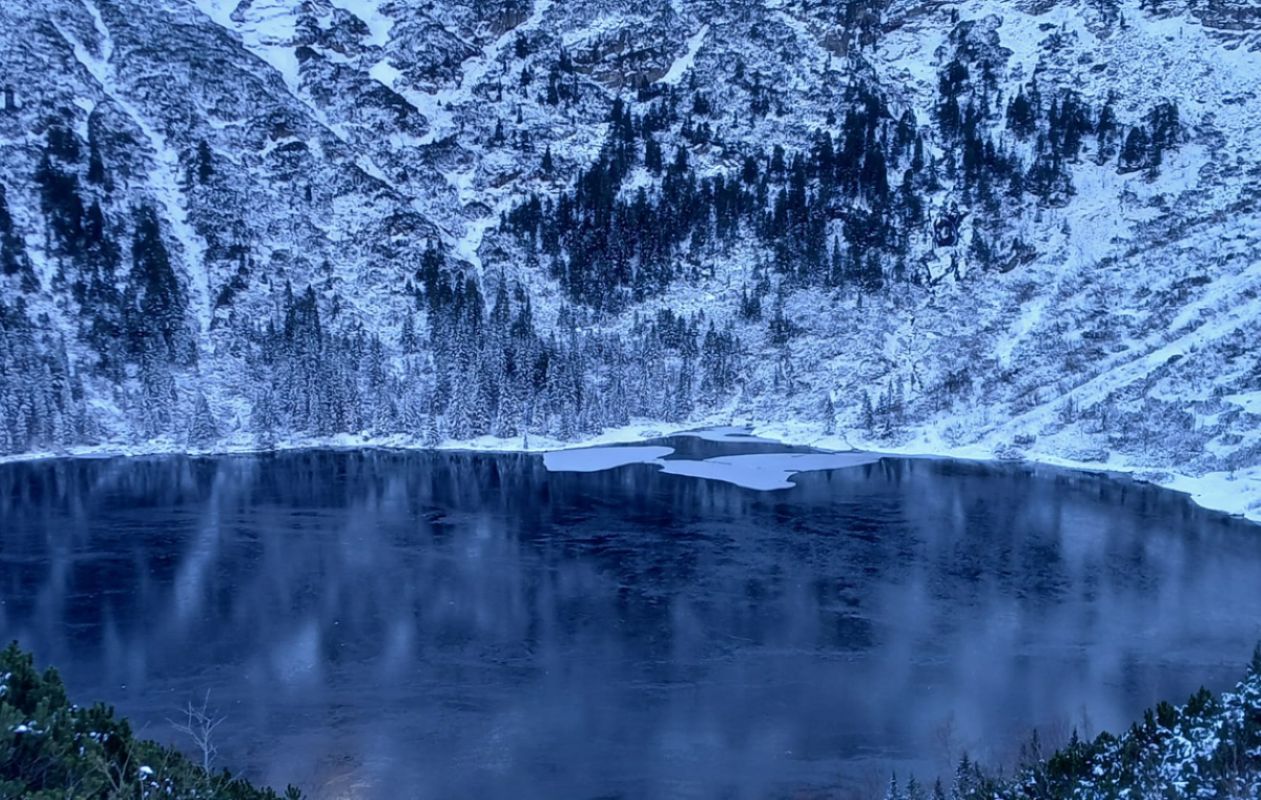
point(760, 471)
point(764, 471)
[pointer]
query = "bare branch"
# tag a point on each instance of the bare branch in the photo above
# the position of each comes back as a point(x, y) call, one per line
point(199, 725)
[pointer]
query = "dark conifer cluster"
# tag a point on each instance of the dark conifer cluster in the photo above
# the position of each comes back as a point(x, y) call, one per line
point(854, 210)
point(51, 748)
point(1210, 747)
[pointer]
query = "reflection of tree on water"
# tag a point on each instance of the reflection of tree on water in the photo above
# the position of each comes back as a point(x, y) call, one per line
point(471, 620)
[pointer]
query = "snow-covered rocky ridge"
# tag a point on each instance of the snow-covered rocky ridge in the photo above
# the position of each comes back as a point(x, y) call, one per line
point(232, 224)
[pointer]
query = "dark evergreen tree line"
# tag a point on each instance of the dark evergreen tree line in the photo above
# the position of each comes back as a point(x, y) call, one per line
point(41, 397)
point(845, 212)
point(479, 367)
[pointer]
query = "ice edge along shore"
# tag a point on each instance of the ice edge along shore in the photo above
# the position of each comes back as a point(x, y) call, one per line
point(1237, 494)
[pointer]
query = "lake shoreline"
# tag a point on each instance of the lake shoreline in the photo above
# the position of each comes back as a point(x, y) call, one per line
point(1237, 495)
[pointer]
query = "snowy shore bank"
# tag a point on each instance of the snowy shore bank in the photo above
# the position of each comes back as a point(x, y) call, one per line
point(1235, 493)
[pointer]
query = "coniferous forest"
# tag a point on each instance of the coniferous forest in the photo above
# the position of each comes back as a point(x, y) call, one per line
point(847, 214)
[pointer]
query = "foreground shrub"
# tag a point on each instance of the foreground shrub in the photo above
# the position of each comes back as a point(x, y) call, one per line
point(51, 748)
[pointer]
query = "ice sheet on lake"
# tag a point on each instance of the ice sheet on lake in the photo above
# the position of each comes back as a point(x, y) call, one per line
point(764, 471)
point(761, 471)
point(596, 459)
point(726, 434)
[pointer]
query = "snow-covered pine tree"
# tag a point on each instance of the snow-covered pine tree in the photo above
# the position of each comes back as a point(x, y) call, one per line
point(203, 431)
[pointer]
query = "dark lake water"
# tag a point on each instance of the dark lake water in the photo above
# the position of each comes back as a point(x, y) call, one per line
point(387, 625)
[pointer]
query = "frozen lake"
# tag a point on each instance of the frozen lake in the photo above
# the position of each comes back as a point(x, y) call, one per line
point(436, 625)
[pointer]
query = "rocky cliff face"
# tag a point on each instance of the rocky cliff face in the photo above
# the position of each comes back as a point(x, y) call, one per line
point(1025, 226)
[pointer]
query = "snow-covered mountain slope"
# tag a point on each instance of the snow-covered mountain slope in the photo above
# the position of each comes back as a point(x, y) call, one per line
point(1025, 227)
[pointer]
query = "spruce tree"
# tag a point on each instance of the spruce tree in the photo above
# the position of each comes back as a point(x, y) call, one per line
point(264, 416)
point(202, 429)
point(13, 257)
point(205, 163)
point(1134, 152)
point(157, 328)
